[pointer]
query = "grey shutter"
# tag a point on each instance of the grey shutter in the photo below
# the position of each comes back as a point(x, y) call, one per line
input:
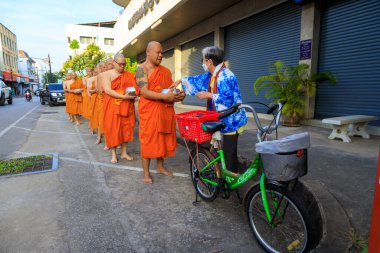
point(191, 59)
point(168, 61)
point(350, 49)
point(254, 44)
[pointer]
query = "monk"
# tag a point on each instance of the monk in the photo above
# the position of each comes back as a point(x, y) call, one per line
point(109, 64)
point(76, 89)
point(91, 89)
point(65, 85)
point(99, 104)
point(156, 111)
point(86, 97)
point(119, 108)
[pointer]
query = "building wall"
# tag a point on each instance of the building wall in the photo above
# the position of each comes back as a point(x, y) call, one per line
point(98, 33)
point(125, 35)
point(8, 50)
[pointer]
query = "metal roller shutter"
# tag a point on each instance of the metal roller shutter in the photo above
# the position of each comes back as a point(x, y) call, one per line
point(350, 49)
point(191, 59)
point(252, 45)
point(168, 61)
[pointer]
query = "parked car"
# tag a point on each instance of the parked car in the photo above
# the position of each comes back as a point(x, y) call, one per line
point(38, 90)
point(53, 94)
point(5, 93)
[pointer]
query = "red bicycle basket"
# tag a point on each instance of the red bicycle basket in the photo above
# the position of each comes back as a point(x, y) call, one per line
point(190, 124)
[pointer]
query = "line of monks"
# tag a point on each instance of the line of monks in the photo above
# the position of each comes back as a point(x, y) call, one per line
point(106, 98)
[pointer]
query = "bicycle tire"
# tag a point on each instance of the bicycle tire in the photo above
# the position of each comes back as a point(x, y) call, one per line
point(272, 238)
point(200, 186)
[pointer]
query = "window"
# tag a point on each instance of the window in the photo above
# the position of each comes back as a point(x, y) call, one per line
point(86, 40)
point(108, 41)
point(68, 40)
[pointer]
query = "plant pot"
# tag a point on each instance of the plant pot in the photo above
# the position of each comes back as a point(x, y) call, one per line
point(291, 121)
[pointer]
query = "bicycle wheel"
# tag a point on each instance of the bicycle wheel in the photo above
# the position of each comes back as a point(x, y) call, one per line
point(291, 228)
point(206, 191)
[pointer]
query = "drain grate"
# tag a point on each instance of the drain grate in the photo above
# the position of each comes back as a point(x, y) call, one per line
point(29, 165)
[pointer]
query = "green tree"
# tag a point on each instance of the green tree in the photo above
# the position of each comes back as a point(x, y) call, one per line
point(51, 77)
point(74, 45)
point(131, 65)
point(89, 58)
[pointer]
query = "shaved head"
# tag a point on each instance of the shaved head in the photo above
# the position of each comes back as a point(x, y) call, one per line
point(118, 56)
point(109, 63)
point(154, 53)
point(102, 66)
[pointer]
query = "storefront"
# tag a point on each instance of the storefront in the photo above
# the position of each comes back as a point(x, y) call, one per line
point(350, 48)
point(343, 36)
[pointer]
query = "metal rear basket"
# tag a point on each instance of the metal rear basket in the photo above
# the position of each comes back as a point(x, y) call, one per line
point(285, 159)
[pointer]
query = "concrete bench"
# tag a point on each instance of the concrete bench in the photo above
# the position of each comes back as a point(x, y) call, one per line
point(346, 126)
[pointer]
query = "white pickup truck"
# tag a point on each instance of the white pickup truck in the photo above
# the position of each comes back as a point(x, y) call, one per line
point(5, 93)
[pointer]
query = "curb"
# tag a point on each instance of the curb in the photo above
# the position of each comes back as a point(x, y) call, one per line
point(334, 218)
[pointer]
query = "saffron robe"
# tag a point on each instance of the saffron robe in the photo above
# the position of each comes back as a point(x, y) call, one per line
point(156, 119)
point(76, 98)
point(119, 114)
point(86, 103)
point(94, 122)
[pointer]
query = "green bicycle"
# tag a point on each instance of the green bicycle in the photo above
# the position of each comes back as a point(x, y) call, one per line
point(276, 211)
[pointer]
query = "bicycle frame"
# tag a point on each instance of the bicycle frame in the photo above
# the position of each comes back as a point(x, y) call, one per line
point(237, 180)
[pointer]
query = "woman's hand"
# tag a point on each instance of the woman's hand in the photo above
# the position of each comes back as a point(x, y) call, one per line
point(175, 84)
point(179, 96)
point(204, 95)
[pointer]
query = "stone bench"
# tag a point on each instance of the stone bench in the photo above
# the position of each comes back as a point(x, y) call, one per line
point(346, 126)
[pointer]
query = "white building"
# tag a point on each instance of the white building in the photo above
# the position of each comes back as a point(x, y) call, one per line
point(102, 34)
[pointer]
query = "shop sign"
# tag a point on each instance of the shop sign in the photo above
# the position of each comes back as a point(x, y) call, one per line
point(141, 12)
point(305, 49)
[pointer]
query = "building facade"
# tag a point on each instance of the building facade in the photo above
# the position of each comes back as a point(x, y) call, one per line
point(341, 36)
point(101, 34)
point(8, 55)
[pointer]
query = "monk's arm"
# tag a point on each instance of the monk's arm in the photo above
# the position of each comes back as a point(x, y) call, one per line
point(98, 83)
point(142, 82)
point(110, 92)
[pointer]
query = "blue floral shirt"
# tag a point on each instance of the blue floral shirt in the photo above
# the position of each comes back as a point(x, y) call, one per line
point(228, 94)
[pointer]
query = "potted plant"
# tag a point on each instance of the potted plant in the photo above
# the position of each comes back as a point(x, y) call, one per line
point(291, 85)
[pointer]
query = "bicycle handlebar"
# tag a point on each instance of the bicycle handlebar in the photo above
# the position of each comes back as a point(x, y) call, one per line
point(262, 130)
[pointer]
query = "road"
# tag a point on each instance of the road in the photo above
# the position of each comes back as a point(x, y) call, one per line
point(13, 118)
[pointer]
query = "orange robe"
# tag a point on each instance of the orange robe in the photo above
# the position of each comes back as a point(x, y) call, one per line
point(94, 122)
point(156, 119)
point(77, 99)
point(99, 109)
point(119, 114)
point(86, 103)
point(69, 101)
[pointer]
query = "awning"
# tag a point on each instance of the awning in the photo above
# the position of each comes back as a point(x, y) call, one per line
point(16, 77)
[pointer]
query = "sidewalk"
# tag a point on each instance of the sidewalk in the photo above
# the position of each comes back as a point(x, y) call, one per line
point(341, 175)
point(89, 205)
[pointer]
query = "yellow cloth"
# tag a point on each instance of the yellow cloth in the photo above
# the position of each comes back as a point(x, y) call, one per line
point(239, 131)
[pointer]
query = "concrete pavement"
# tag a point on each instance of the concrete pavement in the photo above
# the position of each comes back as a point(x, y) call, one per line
point(89, 205)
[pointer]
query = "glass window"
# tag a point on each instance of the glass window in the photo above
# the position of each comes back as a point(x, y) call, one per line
point(85, 40)
point(108, 41)
point(68, 40)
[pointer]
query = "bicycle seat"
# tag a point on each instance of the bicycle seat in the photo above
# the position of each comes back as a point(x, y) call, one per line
point(213, 126)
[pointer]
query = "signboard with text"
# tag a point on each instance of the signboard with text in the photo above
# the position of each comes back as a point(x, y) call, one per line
point(305, 49)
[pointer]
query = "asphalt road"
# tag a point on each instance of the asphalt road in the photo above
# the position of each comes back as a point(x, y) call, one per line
point(12, 118)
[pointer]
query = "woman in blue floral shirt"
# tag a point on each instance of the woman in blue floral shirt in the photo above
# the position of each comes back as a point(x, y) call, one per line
point(220, 88)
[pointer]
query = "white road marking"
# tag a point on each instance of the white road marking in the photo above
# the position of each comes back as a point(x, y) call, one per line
point(17, 121)
point(48, 120)
point(107, 165)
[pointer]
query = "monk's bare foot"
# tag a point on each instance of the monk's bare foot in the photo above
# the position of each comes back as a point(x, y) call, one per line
point(77, 123)
point(164, 171)
point(148, 180)
point(114, 160)
point(98, 141)
point(126, 156)
point(106, 148)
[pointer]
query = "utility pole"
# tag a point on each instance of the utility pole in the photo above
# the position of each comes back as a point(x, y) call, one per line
point(49, 63)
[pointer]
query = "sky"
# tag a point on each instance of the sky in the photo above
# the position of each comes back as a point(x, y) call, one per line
point(40, 24)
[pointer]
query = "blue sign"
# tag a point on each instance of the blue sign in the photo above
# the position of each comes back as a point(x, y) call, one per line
point(305, 49)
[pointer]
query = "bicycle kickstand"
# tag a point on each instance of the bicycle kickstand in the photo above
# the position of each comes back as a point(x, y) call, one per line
point(196, 199)
point(239, 198)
